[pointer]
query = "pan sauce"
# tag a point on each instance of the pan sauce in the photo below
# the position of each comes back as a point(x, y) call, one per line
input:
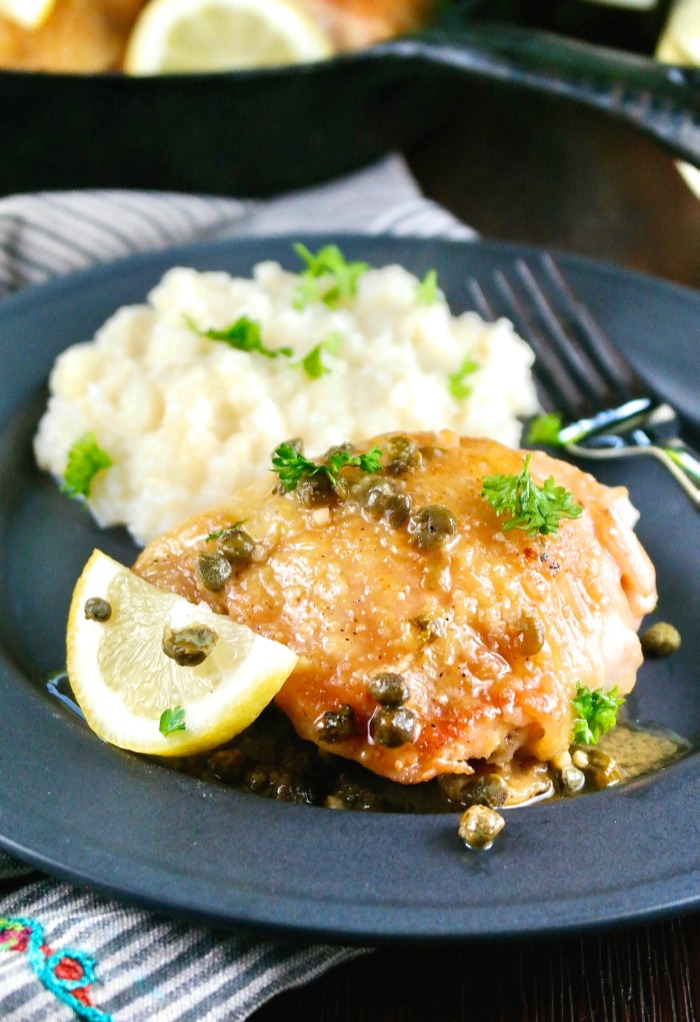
point(269, 760)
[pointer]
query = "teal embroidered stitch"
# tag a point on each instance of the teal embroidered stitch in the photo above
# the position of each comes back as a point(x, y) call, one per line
point(68, 974)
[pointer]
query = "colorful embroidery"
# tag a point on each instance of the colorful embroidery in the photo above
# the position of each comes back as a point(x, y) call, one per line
point(68, 974)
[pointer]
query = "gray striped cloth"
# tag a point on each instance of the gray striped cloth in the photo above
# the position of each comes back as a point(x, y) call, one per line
point(64, 953)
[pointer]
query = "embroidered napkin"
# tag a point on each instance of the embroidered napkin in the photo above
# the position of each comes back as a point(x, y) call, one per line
point(66, 953)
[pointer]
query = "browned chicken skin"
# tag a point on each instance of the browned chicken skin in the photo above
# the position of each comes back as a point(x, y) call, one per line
point(490, 632)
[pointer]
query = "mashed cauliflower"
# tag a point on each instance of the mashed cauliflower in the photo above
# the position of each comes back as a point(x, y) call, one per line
point(187, 420)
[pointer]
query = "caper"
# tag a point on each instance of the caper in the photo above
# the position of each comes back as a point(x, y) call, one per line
point(385, 498)
point(602, 770)
point(236, 546)
point(431, 526)
point(660, 640)
point(212, 571)
point(393, 727)
point(319, 490)
point(350, 794)
point(97, 609)
point(190, 645)
point(486, 789)
point(389, 689)
point(572, 780)
point(529, 636)
point(429, 628)
point(228, 765)
point(401, 454)
point(335, 725)
point(479, 826)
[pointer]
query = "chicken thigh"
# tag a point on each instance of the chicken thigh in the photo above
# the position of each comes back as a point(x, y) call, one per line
point(428, 637)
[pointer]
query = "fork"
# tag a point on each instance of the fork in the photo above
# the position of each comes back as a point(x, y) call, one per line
point(608, 410)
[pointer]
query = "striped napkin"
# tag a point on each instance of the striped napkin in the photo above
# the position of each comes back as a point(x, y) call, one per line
point(67, 953)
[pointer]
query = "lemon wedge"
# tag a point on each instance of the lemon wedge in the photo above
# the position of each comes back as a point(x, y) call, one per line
point(680, 40)
point(26, 13)
point(217, 35)
point(131, 658)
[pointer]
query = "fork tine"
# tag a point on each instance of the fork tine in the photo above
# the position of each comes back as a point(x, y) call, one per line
point(560, 390)
point(610, 360)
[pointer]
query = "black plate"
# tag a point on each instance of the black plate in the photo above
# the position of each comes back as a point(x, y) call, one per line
point(97, 816)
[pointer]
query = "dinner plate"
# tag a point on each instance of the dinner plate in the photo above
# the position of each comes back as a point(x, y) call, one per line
point(126, 827)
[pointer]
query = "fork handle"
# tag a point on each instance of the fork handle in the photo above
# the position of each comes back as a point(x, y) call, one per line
point(658, 99)
point(681, 460)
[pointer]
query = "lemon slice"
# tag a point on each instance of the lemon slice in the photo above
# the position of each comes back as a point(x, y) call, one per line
point(124, 681)
point(680, 41)
point(27, 13)
point(217, 35)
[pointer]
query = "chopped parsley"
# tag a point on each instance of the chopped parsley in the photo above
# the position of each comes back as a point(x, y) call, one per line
point(457, 387)
point(243, 335)
point(217, 533)
point(172, 720)
point(85, 459)
point(597, 713)
point(312, 364)
point(328, 276)
point(545, 430)
point(427, 290)
point(533, 508)
point(291, 466)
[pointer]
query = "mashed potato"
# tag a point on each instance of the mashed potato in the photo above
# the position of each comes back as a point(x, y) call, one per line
point(187, 420)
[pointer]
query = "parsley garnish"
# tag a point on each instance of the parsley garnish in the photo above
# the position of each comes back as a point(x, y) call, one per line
point(458, 388)
point(85, 459)
point(427, 290)
point(329, 262)
point(531, 507)
point(598, 713)
point(545, 430)
point(172, 720)
point(312, 363)
point(291, 465)
point(243, 335)
point(217, 533)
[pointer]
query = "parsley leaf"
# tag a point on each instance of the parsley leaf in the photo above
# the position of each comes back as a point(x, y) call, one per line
point(328, 262)
point(597, 713)
point(312, 363)
point(85, 459)
point(291, 466)
point(545, 430)
point(457, 387)
point(243, 335)
point(427, 290)
point(172, 720)
point(530, 507)
point(217, 533)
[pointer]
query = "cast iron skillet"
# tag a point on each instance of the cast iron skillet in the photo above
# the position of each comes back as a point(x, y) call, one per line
point(257, 132)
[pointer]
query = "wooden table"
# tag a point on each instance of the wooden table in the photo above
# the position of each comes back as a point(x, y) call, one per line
point(545, 173)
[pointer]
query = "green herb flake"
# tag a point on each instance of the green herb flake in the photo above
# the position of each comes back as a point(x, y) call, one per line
point(597, 713)
point(532, 508)
point(172, 720)
point(85, 459)
point(328, 276)
point(292, 466)
point(545, 430)
point(312, 364)
point(455, 381)
point(217, 533)
point(243, 335)
point(427, 290)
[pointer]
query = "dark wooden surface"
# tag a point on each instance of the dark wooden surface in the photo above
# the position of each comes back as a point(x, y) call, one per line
point(542, 172)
